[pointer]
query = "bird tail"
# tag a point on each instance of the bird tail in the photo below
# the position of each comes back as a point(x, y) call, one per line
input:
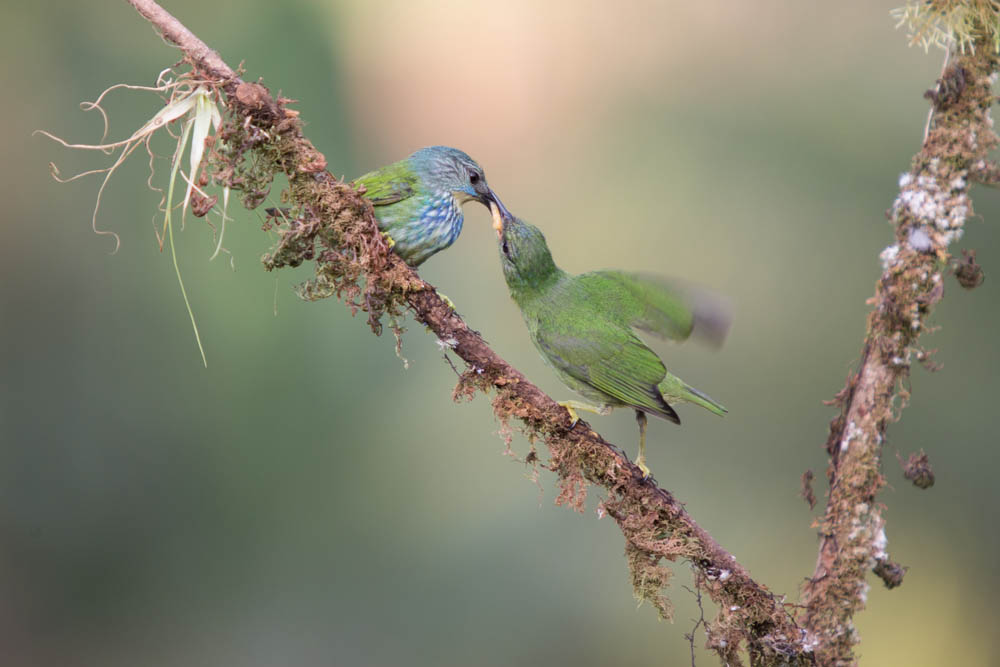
point(675, 389)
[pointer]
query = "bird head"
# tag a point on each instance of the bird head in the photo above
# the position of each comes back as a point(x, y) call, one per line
point(524, 254)
point(451, 170)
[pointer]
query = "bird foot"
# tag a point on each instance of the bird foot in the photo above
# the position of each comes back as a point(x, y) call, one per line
point(572, 412)
point(390, 242)
point(573, 406)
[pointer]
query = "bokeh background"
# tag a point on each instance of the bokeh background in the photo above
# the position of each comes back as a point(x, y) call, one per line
point(305, 500)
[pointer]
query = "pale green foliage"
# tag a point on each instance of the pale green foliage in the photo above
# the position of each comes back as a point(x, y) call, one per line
point(950, 23)
point(187, 100)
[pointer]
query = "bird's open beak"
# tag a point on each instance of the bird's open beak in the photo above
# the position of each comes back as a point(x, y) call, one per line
point(499, 212)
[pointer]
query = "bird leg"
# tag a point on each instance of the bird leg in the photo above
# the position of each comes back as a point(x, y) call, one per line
point(389, 240)
point(640, 460)
point(573, 406)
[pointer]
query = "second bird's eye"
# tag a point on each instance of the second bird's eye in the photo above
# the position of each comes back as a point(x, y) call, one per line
point(505, 248)
point(474, 177)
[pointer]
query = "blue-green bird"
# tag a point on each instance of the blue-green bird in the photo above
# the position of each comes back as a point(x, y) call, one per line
point(584, 328)
point(418, 201)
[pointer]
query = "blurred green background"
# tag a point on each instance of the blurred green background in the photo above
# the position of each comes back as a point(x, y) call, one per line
point(305, 500)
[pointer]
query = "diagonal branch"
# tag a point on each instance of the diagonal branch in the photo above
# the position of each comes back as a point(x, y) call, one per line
point(928, 215)
point(337, 230)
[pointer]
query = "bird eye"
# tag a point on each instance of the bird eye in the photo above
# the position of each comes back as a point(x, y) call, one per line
point(474, 177)
point(506, 249)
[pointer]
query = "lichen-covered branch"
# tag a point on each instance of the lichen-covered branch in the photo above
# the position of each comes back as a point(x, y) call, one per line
point(332, 225)
point(928, 215)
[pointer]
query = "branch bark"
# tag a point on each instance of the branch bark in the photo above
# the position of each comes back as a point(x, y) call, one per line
point(928, 215)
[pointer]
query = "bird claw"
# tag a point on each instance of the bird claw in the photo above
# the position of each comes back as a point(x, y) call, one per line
point(390, 242)
point(574, 417)
point(640, 462)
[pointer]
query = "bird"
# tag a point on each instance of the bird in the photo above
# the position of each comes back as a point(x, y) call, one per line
point(418, 200)
point(584, 327)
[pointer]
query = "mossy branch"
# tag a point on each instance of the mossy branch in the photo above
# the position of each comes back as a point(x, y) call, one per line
point(927, 216)
point(333, 226)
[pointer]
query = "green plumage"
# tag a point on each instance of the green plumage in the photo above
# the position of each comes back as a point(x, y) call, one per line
point(584, 326)
point(418, 201)
point(390, 184)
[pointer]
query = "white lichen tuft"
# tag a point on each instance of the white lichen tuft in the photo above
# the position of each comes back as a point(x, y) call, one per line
point(939, 210)
point(919, 240)
point(888, 256)
point(810, 642)
point(948, 238)
point(447, 344)
point(955, 218)
point(853, 433)
point(879, 544)
point(921, 203)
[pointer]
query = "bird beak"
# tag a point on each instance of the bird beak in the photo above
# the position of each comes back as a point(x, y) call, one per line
point(499, 213)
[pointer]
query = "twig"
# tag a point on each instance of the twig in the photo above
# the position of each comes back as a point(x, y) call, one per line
point(689, 636)
point(175, 32)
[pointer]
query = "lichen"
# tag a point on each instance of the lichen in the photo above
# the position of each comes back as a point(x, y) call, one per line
point(927, 216)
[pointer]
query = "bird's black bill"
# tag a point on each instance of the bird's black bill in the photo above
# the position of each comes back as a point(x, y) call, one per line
point(504, 213)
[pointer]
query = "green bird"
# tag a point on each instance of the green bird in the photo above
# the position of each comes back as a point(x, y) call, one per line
point(584, 328)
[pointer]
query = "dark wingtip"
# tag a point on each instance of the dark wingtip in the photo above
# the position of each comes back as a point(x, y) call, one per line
point(672, 415)
point(665, 411)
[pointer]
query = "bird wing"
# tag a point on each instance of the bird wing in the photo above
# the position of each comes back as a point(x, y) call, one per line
point(389, 185)
point(664, 308)
point(610, 359)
